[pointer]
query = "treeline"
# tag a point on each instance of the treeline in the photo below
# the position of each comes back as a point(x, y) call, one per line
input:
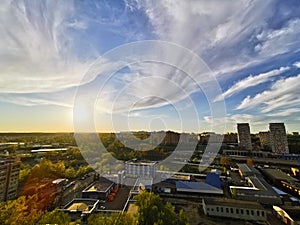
point(151, 209)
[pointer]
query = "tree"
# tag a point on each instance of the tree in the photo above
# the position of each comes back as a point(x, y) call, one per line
point(23, 210)
point(152, 210)
point(24, 172)
point(113, 219)
point(55, 217)
point(70, 172)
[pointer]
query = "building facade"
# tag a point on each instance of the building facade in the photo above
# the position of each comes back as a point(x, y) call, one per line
point(141, 169)
point(278, 138)
point(230, 208)
point(9, 174)
point(265, 140)
point(244, 137)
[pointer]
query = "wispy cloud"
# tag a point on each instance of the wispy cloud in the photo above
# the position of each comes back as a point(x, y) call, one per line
point(297, 64)
point(251, 81)
point(229, 36)
point(257, 121)
point(47, 46)
point(285, 112)
point(37, 47)
point(283, 93)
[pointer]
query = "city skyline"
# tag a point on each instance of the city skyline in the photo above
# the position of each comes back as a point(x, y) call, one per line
point(251, 48)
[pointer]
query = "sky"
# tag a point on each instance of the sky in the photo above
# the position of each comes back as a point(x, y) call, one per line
point(64, 62)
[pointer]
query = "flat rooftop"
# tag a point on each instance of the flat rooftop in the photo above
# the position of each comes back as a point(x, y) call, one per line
point(278, 174)
point(141, 162)
point(232, 203)
point(99, 186)
point(258, 183)
point(79, 206)
point(248, 170)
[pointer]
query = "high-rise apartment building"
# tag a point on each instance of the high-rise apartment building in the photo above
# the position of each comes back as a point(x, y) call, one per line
point(9, 174)
point(244, 137)
point(265, 140)
point(278, 138)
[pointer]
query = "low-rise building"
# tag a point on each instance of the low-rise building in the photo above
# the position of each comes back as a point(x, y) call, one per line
point(283, 181)
point(255, 187)
point(231, 208)
point(140, 168)
point(81, 208)
point(99, 189)
point(197, 187)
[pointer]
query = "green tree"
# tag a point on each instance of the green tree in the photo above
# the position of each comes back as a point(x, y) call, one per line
point(47, 169)
point(24, 172)
point(55, 217)
point(23, 211)
point(70, 172)
point(113, 219)
point(152, 210)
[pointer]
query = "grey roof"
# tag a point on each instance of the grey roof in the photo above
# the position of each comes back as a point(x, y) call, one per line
point(233, 203)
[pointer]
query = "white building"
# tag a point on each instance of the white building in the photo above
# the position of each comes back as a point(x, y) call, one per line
point(231, 208)
point(141, 169)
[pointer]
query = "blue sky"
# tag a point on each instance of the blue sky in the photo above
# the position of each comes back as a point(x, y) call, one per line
point(252, 48)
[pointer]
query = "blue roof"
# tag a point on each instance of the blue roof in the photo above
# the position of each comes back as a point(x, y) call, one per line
point(195, 185)
point(278, 191)
point(213, 179)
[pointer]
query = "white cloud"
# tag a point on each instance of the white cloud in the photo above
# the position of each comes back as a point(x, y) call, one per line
point(229, 36)
point(283, 94)
point(257, 122)
point(284, 113)
point(280, 41)
point(37, 47)
point(297, 64)
point(251, 81)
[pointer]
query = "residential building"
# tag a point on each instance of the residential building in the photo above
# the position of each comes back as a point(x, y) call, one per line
point(278, 137)
point(171, 138)
point(244, 137)
point(265, 140)
point(9, 174)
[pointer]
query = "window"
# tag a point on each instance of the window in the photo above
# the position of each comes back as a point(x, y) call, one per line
point(262, 213)
point(247, 211)
point(242, 211)
point(231, 210)
point(257, 213)
point(221, 209)
point(252, 212)
point(227, 210)
point(217, 209)
point(237, 211)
